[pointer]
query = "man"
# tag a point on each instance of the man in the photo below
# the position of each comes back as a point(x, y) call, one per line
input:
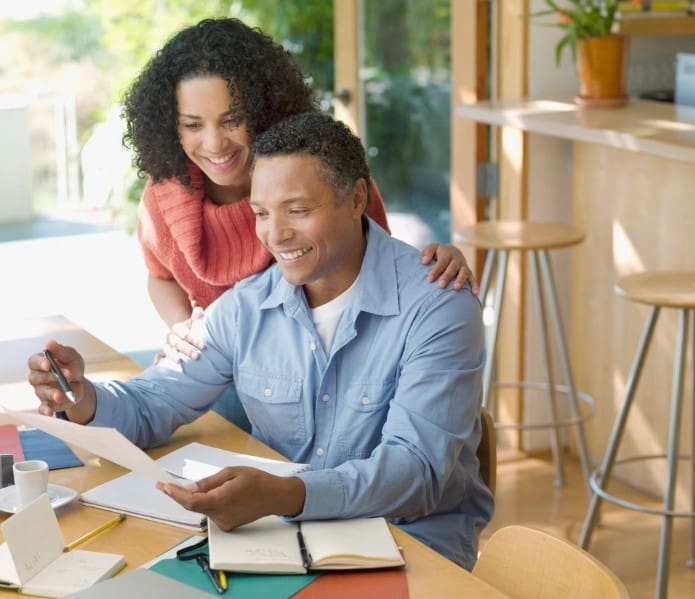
point(343, 356)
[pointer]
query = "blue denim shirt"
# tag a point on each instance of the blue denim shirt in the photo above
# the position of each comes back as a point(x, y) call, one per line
point(388, 419)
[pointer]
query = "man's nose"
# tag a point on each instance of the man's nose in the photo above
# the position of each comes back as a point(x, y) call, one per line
point(278, 231)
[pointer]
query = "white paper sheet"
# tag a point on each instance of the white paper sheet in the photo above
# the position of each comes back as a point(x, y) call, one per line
point(33, 548)
point(105, 442)
point(33, 539)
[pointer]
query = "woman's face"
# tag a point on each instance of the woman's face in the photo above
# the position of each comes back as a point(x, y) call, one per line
point(212, 138)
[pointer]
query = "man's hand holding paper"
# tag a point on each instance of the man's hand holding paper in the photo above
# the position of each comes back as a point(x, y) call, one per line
point(237, 495)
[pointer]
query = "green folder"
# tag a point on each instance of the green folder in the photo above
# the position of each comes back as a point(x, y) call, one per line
point(258, 586)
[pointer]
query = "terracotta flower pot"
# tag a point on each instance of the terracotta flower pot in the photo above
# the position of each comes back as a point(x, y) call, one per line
point(602, 70)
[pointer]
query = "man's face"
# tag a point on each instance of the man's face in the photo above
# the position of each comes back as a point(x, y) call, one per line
point(316, 239)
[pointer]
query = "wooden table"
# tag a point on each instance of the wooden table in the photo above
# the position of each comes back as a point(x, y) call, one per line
point(429, 574)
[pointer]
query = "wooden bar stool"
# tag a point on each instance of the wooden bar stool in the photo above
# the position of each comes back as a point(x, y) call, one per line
point(666, 289)
point(500, 238)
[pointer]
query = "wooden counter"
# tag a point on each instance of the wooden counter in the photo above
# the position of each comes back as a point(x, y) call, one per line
point(632, 190)
point(655, 128)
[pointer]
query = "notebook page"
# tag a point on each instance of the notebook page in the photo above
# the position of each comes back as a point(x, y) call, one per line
point(359, 542)
point(72, 572)
point(268, 545)
point(33, 538)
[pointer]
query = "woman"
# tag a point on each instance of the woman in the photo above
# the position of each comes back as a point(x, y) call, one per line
point(191, 117)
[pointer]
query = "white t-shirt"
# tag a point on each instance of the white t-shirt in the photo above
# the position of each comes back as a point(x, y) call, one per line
point(327, 316)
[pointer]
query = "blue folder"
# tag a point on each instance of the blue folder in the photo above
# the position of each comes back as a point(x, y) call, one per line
point(39, 445)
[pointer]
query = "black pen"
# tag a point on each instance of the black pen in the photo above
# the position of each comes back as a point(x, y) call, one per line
point(205, 567)
point(306, 556)
point(62, 381)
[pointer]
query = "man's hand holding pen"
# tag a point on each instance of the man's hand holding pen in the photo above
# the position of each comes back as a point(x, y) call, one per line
point(60, 377)
point(56, 373)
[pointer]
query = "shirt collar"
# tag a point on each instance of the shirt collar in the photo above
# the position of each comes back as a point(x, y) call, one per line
point(377, 288)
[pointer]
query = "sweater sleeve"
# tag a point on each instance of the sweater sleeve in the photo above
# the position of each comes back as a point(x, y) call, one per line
point(376, 209)
point(148, 236)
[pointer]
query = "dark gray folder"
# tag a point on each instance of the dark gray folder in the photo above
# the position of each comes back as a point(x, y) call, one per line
point(140, 584)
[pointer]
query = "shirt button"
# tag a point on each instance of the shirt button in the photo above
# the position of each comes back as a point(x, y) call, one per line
point(312, 345)
point(319, 451)
point(267, 392)
point(325, 397)
point(365, 400)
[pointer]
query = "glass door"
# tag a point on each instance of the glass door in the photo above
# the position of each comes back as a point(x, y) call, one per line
point(405, 91)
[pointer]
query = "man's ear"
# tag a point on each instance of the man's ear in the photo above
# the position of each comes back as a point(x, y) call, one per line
point(359, 197)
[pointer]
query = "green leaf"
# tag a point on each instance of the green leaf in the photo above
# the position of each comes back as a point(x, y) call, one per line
point(580, 19)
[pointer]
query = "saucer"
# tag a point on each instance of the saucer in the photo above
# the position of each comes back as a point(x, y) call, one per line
point(57, 494)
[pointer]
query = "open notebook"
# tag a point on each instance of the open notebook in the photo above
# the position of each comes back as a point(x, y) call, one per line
point(272, 545)
point(136, 494)
point(32, 557)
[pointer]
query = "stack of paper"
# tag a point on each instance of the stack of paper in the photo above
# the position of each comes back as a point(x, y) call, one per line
point(136, 494)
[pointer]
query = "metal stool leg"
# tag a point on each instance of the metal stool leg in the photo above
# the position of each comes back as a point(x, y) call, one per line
point(603, 474)
point(487, 274)
point(691, 545)
point(502, 259)
point(565, 363)
point(555, 443)
point(672, 466)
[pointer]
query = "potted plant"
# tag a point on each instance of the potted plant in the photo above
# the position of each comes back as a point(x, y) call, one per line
point(600, 54)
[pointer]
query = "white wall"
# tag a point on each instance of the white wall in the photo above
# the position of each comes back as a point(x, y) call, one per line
point(15, 161)
point(653, 62)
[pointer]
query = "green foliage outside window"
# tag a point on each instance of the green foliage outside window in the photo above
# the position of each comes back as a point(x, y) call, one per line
point(102, 47)
point(109, 42)
point(407, 95)
point(304, 28)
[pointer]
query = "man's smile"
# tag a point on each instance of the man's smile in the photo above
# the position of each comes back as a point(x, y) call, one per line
point(294, 254)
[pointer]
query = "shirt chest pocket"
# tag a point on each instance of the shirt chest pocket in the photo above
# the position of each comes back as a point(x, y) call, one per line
point(366, 407)
point(273, 405)
point(369, 397)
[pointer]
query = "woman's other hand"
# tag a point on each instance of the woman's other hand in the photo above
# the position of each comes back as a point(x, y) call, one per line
point(449, 265)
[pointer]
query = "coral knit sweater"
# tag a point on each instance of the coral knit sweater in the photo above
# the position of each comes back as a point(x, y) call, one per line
point(204, 246)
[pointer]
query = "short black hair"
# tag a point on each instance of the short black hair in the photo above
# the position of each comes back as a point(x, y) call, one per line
point(265, 83)
point(338, 149)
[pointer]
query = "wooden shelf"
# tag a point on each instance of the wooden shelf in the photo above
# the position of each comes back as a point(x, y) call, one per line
point(657, 23)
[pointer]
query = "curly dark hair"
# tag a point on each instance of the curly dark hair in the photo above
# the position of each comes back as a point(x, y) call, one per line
point(264, 80)
point(339, 151)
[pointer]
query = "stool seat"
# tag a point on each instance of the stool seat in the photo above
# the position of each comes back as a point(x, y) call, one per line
point(658, 289)
point(669, 288)
point(521, 235)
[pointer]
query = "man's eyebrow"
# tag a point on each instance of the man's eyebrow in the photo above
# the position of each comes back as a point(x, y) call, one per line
point(297, 199)
point(288, 201)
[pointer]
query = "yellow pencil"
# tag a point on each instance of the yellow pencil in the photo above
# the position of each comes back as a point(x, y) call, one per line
point(223, 579)
point(85, 537)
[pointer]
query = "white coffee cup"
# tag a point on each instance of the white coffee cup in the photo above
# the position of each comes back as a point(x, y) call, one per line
point(30, 480)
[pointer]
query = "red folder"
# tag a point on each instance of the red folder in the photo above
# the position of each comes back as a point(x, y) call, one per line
point(10, 443)
point(365, 584)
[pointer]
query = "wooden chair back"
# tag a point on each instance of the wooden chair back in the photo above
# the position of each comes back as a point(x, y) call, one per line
point(487, 450)
point(527, 563)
